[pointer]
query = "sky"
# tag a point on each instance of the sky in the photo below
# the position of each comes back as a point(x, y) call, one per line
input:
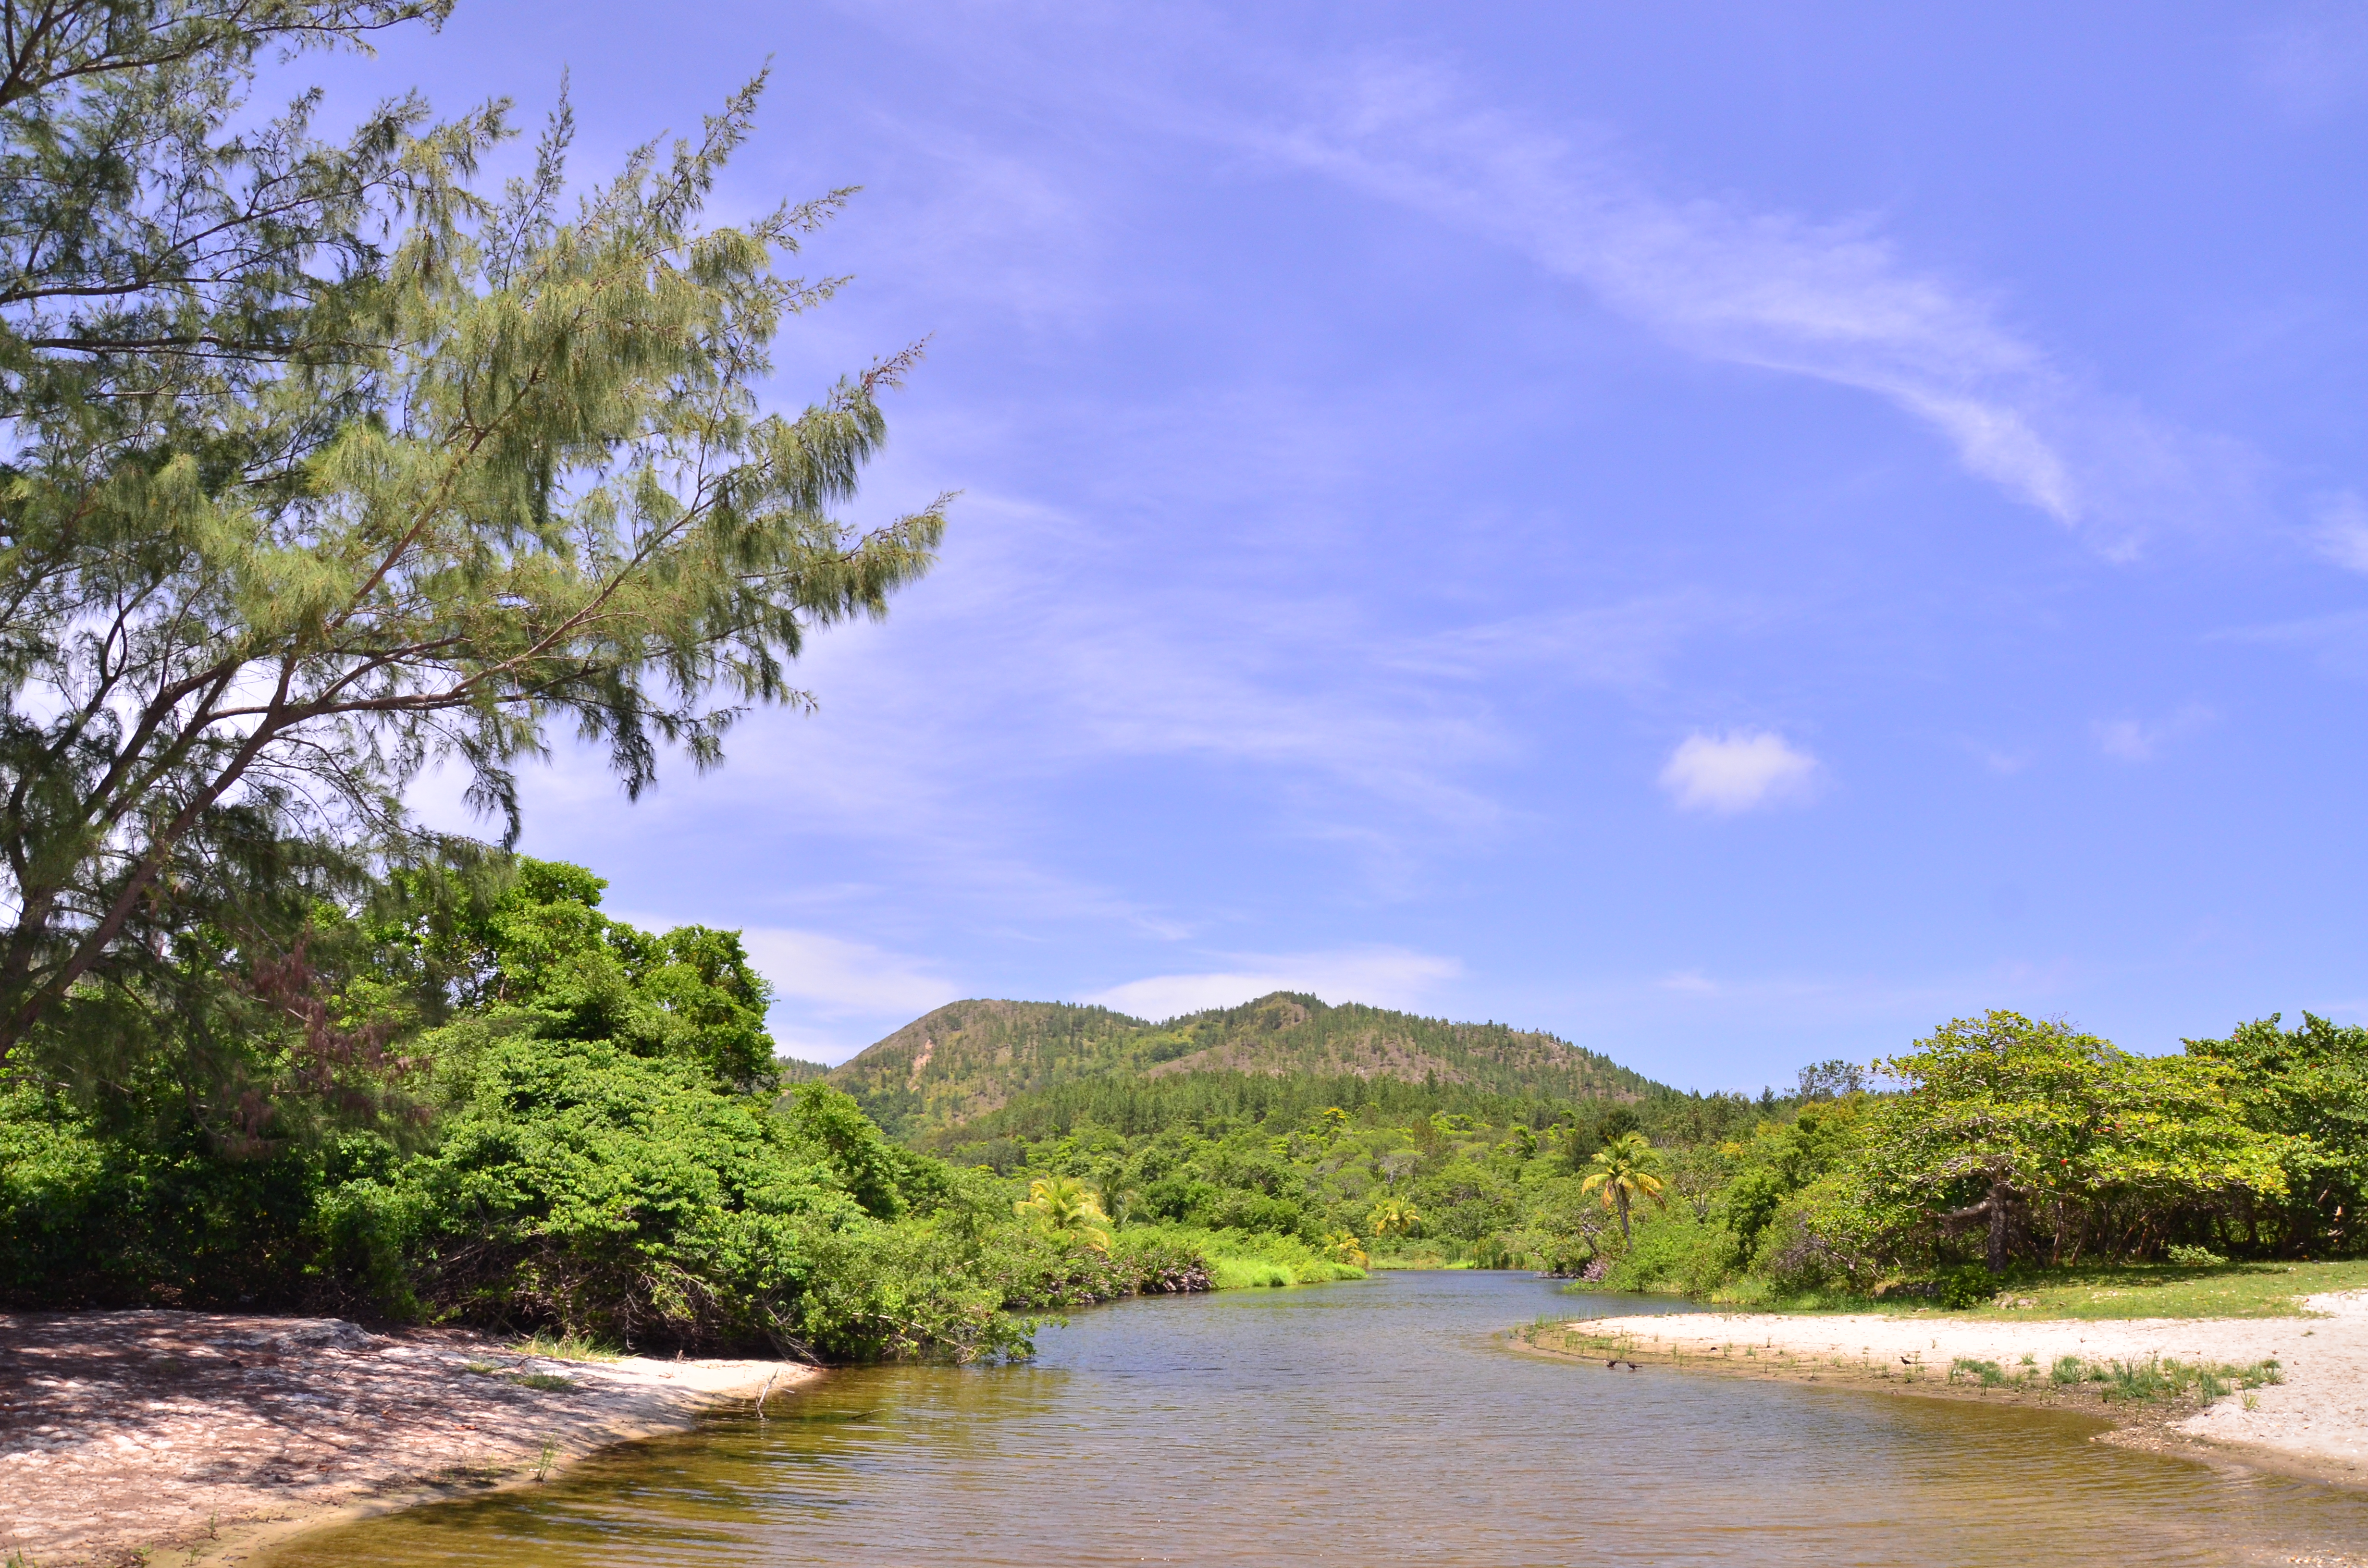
point(1734, 534)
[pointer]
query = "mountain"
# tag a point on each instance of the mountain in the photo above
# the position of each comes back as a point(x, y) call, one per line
point(970, 1058)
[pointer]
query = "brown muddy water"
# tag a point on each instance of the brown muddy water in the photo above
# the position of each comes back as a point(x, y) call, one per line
point(1363, 1423)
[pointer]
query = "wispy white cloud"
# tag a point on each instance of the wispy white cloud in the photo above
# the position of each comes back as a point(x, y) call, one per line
point(1381, 976)
point(1720, 279)
point(1738, 770)
point(1997, 759)
point(2137, 740)
point(2340, 530)
point(837, 978)
point(2339, 641)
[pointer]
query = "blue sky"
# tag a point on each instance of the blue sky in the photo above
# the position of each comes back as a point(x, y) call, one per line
point(1734, 534)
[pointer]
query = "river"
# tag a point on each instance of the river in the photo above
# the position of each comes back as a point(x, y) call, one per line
point(1361, 1422)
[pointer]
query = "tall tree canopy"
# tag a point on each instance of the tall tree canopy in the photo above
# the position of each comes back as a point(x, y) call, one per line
point(2034, 1140)
point(324, 467)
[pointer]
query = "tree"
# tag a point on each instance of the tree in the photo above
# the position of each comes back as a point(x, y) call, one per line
point(324, 469)
point(1622, 1172)
point(2310, 1084)
point(1701, 1177)
point(2037, 1138)
point(1393, 1217)
point(1065, 1207)
point(1343, 1246)
point(1831, 1080)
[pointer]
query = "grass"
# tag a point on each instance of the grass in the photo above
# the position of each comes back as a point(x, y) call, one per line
point(565, 1348)
point(2132, 1291)
point(2168, 1379)
point(1240, 1260)
point(2151, 1380)
point(1988, 1373)
point(1234, 1272)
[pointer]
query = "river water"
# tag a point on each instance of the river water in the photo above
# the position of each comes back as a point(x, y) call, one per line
point(1363, 1423)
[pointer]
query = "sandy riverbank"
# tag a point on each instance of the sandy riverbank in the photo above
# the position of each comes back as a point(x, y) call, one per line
point(2314, 1423)
point(212, 1434)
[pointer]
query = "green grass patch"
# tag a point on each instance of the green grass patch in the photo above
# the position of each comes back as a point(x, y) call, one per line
point(1254, 1260)
point(2161, 1379)
point(565, 1348)
point(2132, 1291)
point(549, 1382)
point(1990, 1374)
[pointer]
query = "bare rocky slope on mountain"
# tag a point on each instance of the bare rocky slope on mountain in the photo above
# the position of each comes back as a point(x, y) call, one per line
point(970, 1058)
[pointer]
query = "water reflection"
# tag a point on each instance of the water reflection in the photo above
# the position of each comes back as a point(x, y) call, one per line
point(1363, 1424)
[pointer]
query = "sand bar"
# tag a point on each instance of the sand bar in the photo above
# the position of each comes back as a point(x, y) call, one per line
point(211, 1434)
point(2314, 1423)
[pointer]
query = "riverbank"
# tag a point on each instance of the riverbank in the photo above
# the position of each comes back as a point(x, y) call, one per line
point(2312, 1422)
point(210, 1434)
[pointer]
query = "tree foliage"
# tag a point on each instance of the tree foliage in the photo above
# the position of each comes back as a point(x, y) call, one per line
point(1622, 1172)
point(326, 467)
point(2049, 1144)
point(2308, 1086)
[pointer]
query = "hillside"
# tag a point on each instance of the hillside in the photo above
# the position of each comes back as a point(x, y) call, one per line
point(970, 1058)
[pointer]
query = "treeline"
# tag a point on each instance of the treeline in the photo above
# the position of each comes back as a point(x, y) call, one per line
point(1996, 1146)
point(1211, 1104)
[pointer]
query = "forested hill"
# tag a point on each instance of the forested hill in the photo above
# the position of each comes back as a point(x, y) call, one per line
point(970, 1058)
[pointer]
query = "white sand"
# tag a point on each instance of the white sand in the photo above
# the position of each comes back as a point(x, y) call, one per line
point(2317, 1416)
point(208, 1433)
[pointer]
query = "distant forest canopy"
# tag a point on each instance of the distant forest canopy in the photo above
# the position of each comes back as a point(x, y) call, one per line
point(970, 1059)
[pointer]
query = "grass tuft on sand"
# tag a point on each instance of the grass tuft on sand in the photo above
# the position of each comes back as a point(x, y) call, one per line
point(565, 1348)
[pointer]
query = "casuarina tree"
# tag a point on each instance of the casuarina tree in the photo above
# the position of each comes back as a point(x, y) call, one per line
point(324, 466)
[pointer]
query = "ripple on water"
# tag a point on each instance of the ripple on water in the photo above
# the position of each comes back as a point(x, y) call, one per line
point(1360, 1423)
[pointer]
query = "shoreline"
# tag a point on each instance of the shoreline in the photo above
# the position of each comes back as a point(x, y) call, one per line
point(217, 1435)
point(2312, 1424)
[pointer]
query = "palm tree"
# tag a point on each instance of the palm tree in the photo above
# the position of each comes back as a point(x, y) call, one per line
point(1065, 1207)
point(1342, 1246)
point(1392, 1216)
point(1622, 1170)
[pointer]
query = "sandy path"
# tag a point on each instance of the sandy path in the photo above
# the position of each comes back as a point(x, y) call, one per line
point(212, 1432)
point(2316, 1421)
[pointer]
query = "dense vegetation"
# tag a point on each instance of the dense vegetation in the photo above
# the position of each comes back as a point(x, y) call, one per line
point(472, 1095)
point(970, 1058)
point(1996, 1147)
point(524, 1113)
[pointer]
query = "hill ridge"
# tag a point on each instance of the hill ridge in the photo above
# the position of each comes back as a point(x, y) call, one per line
point(966, 1059)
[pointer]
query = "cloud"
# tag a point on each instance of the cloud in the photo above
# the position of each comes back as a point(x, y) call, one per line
point(1738, 771)
point(1381, 976)
point(2342, 531)
point(2006, 764)
point(837, 978)
point(1833, 301)
point(2132, 739)
point(2340, 641)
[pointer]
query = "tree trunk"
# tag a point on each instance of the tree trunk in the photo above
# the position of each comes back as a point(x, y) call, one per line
point(1621, 1196)
point(1999, 1200)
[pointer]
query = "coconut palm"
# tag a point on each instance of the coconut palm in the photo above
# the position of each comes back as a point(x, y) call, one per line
point(1393, 1217)
point(1342, 1246)
point(1066, 1208)
point(1623, 1171)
